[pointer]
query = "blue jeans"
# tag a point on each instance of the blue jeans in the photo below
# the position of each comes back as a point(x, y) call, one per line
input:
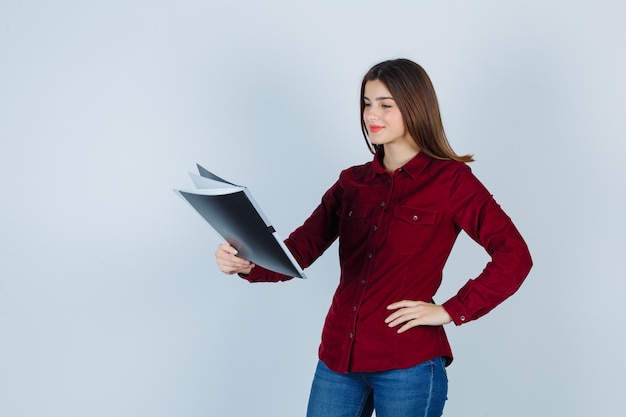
point(417, 391)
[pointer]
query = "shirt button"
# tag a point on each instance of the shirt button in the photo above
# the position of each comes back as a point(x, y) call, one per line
point(363, 282)
point(350, 213)
point(382, 203)
point(375, 228)
point(369, 256)
point(462, 318)
point(353, 308)
point(351, 335)
point(415, 218)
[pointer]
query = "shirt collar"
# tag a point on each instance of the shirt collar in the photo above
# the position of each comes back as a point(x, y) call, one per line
point(413, 168)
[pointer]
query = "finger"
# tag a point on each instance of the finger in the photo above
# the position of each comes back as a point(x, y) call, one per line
point(405, 325)
point(401, 304)
point(230, 264)
point(227, 253)
point(235, 264)
point(230, 270)
point(403, 307)
point(405, 318)
point(417, 311)
point(395, 315)
point(226, 247)
point(402, 315)
point(405, 304)
point(408, 325)
point(230, 258)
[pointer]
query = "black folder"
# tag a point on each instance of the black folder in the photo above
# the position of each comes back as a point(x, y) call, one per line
point(232, 211)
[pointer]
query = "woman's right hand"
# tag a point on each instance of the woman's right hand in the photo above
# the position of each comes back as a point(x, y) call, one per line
point(229, 262)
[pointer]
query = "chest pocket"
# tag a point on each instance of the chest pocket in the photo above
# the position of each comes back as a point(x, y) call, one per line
point(411, 229)
point(353, 223)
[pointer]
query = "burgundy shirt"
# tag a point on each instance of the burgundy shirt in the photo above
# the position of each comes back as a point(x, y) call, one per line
point(395, 234)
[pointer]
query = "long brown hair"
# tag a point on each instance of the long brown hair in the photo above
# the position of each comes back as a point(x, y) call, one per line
point(415, 96)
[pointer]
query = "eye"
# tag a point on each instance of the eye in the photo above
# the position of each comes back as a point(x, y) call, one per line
point(386, 106)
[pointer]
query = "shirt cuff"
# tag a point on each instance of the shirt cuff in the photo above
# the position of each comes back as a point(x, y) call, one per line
point(455, 310)
point(260, 274)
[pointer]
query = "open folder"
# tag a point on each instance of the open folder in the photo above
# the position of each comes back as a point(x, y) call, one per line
point(232, 211)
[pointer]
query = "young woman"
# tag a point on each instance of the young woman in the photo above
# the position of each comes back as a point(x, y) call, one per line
point(397, 217)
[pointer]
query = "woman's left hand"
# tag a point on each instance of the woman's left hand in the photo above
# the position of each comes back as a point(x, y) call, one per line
point(416, 313)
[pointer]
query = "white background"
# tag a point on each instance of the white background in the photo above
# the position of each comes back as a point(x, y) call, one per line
point(110, 301)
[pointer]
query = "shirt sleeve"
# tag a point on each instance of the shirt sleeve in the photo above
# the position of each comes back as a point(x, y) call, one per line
point(309, 241)
point(477, 213)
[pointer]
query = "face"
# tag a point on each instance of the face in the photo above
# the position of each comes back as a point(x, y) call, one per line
point(385, 125)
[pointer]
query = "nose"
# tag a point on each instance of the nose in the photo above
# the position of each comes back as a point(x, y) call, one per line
point(370, 114)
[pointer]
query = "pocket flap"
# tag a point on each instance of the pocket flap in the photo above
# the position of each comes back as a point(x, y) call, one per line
point(354, 212)
point(414, 215)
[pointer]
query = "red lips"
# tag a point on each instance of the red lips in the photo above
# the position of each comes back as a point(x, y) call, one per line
point(374, 128)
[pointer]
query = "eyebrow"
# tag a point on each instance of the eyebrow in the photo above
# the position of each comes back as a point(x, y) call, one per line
point(379, 98)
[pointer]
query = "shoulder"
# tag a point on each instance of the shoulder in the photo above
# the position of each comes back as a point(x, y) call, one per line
point(457, 177)
point(349, 178)
point(358, 169)
point(448, 168)
point(357, 172)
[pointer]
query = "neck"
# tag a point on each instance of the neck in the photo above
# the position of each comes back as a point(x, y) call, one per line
point(396, 158)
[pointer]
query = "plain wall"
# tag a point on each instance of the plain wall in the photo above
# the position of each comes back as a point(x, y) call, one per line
point(110, 300)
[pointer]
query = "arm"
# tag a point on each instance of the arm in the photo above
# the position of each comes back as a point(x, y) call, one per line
point(478, 214)
point(306, 243)
point(475, 211)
